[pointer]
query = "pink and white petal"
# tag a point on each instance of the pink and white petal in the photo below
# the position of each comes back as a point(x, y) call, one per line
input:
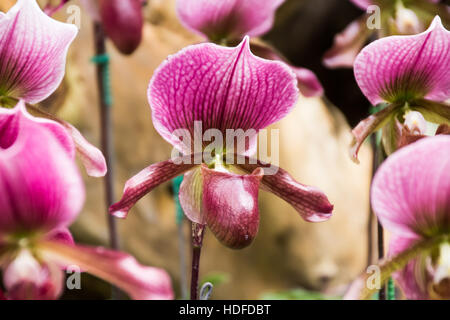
point(149, 178)
point(40, 186)
point(138, 281)
point(25, 278)
point(348, 44)
point(231, 19)
point(224, 88)
point(411, 190)
point(308, 83)
point(33, 49)
point(230, 205)
point(404, 68)
point(91, 157)
point(60, 234)
point(311, 203)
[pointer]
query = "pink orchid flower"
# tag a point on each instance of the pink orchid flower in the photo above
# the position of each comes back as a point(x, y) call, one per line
point(41, 193)
point(33, 50)
point(411, 198)
point(403, 17)
point(122, 20)
point(228, 21)
point(222, 88)
point(405, 74)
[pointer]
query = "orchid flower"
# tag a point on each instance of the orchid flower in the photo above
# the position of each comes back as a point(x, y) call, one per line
point(403, 74)
point(122, 21)
point(397, 17)
point(41, 193)
point(33, 50)
point(221, 88)
point(228, 21)
point(411, 198)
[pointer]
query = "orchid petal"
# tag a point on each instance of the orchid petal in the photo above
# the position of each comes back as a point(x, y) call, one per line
point(191, 196)
point(368, 126)
point(91, 157)
point(308, 83)
point(40, 186)
point(411, 190)
point(123, 23)
point(120, 269)
point(230, 19)
point(311, 203)
point(412, 278)
point(230, 204)
point(348, 44)
point(405, 68)
point(223, 88)
point(433, 111)
point(149, 178)
point(27, 279)
point(33, 49)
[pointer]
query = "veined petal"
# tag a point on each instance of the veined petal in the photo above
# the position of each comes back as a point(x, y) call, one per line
point(222, 88)
point(404, 68)
point(147, 179)
point(191, 196)
point(33, 49)
point(348, 44)
point(120, 269)
point(311, 203)
point(40, 186)
point(228, 19)
point(230, 204)
point(411, 190)
point(308, 83)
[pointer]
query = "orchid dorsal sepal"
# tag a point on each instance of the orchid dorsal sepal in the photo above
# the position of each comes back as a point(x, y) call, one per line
point(360, 288)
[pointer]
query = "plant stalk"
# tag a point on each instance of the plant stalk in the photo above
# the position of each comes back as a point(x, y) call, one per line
point(198, 231)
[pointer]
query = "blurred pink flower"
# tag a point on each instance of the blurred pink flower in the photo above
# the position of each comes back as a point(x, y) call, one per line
point(33, 50)
point(122, 21)
point(396, 18)
point(41, 193)
point(224, 88)
point(406, 73)
point(411, 197)
point(228, 21)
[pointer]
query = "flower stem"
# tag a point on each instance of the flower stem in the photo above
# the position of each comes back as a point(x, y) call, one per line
point(106, 133)
point(198, 231)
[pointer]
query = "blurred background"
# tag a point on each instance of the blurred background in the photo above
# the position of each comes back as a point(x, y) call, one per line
point(289, 258)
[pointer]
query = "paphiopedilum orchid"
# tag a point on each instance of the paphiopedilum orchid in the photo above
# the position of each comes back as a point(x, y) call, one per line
point(224, 89)
point(396, 17)
point(122, 21)
point(411, 198)
point(403, 74)
point(228, 21)
point(33, 50)
point(41, 193)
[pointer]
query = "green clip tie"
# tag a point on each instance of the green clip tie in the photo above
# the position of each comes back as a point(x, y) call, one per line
point(104, 59)
point(179, 214)
point(391, 289)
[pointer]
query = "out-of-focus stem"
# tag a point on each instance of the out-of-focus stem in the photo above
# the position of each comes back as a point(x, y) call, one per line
point(106, 135)
point(198, 231)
